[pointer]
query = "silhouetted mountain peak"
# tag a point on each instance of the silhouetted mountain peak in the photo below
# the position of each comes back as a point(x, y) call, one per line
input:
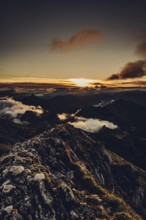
point(32, 100)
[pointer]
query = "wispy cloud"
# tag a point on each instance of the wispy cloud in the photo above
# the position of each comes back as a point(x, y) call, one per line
point(78, 40)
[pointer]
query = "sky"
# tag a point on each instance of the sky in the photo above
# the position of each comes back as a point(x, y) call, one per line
point(62, 39)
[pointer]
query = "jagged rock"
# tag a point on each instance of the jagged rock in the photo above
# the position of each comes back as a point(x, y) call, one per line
point(63, 174)
point(39, 177)
point(7, 188)
point(16, 170)
point(9, 209)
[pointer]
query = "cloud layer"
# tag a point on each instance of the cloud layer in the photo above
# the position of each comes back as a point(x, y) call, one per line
point(92, 125)
point(131, 70)
point(11, 109)
point(80, 39)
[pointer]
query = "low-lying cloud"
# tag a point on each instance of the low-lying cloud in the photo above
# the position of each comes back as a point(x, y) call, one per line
point(62, 117)
point(78, 40)
point(131, 70)
point(13, 110)
point(92, 125)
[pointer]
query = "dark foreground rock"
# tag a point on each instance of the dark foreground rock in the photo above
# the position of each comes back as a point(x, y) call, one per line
point(64, 174)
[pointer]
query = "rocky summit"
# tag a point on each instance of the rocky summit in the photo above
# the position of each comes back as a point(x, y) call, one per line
point(64, 174)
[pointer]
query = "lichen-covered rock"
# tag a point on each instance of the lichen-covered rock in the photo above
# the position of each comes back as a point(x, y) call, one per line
point(63, 174)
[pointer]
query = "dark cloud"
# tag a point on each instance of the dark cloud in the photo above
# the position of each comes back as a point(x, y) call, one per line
point(131, 70)
point(135, 69)
point(141, 49)
point(77, 40)
point(141, 43)
point(113, 77)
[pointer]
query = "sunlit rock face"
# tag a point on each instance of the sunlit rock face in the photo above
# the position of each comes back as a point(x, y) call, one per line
point(65, 174)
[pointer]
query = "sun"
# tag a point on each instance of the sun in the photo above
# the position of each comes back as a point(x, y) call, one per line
point(81, 82)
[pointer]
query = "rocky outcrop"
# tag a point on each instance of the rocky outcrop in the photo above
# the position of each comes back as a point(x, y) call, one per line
point(127, 144)
point(11, 133)
point(65, 174)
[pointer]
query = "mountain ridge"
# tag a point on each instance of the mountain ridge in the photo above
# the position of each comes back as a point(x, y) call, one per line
point(64, 174)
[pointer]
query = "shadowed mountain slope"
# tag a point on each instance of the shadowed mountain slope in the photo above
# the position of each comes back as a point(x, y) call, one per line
point(64, 174)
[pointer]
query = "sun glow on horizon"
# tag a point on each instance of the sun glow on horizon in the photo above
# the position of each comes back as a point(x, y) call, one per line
point(82, 82)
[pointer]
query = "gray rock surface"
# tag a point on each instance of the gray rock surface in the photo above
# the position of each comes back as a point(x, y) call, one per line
point(65, 174)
